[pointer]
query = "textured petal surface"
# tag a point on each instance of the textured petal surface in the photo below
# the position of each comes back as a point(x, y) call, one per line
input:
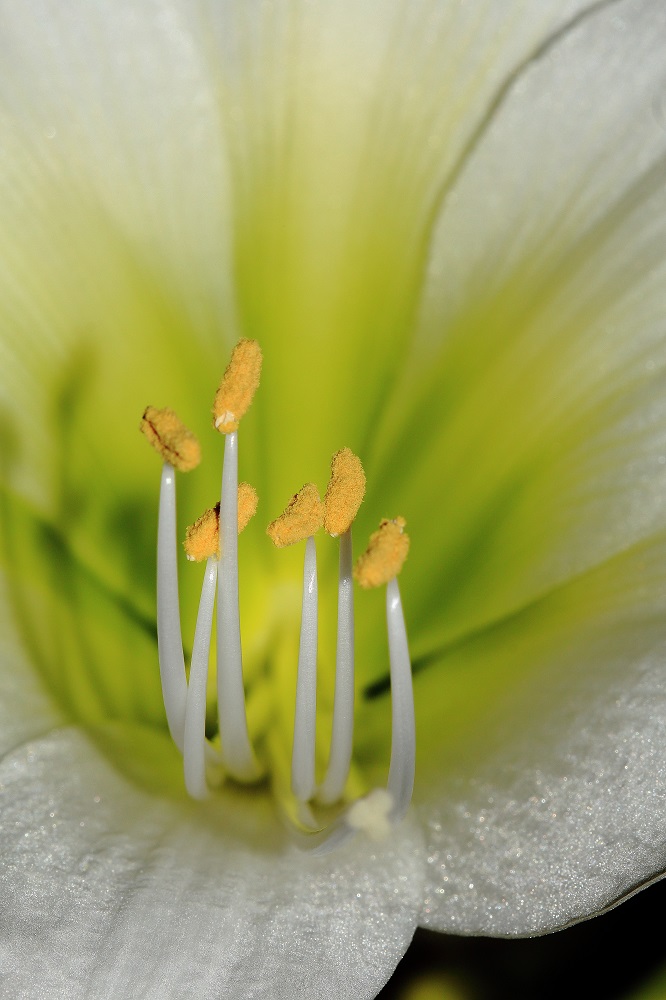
point(530, 411)
point(109, 892)
point(173, 170)
point(180, 172)
point(554, 805)
point(549, 803)
point(538, 594)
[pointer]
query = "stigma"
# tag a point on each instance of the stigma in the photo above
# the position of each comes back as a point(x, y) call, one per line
point(325, 817)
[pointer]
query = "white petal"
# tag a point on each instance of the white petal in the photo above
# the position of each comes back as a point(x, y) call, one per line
point(112, 233)
point(141, 141)
point(110, 892)
point(534, 407)
point(554, 807)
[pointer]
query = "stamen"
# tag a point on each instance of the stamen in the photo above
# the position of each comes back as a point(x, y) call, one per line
point(385, 554)
point(344, 495)
point(303, 752)
point(238, 386)
point(203, 542)
point(195, 743)
point(179, 449)
point(214, 537)
point(302, 517)
point(237, 752)
point(342, 734)
point(169, 636)
point(380, 563)
point(247, 505)
point(202, 539)
point(403, 733)
point(171, 438)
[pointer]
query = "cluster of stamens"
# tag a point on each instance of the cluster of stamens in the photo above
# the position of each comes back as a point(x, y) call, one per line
point(214, 538)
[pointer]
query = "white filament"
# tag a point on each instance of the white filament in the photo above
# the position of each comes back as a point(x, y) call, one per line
point(403, 732)
point(380, 810)
point(343, 706)
point(196, 747)
point(237, 751)
point(169, 638)
point(186, 705)
point(303, 753)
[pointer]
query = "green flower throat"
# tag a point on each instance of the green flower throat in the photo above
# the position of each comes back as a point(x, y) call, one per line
point(243, 750)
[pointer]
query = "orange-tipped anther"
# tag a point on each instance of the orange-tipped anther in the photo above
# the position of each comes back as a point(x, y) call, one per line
point(384, 557)
point(344, 493)
point(170, 438)
point(238, 386)
point(202, 539)
point(247, 505)
point(302, 517)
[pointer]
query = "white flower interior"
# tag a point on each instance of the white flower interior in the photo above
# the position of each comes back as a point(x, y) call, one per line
point(205, 763)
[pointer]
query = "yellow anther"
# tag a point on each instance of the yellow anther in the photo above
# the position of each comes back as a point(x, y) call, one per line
point(247, 505)
point(384, 557)
point(303, 516)
point(344, 493)
point(238, 386)
point(170, 438)
point(202, 539)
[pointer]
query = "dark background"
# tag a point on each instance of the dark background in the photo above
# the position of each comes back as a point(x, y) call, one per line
point(608, 958)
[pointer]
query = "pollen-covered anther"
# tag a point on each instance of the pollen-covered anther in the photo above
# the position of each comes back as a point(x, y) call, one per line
point(247, 505)
point(202, 539)
point(344, 493)
point(372, 814)
point(170, 438)
point(302, 517)
point(238, 386)
point(385, 555)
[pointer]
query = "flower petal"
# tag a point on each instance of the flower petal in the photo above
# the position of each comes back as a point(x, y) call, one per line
point(105, 236)
point(148, 146)
point(111, 892)
point(344, 121)
point(531, 409)
point(552, 806)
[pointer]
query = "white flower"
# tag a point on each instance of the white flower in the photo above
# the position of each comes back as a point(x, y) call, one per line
point(446, 223)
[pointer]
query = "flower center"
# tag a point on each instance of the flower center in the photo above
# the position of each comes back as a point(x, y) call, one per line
point(320, 810)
